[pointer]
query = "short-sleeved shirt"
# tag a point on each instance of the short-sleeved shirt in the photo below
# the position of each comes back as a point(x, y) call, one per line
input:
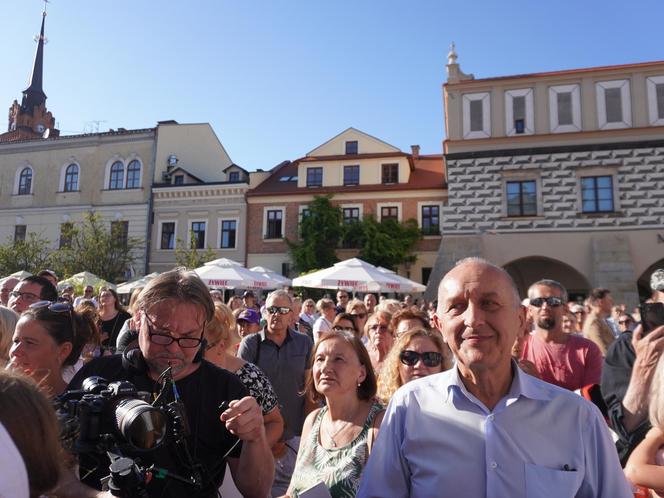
point(201, 393)
point(575, 364)
point(285, 366)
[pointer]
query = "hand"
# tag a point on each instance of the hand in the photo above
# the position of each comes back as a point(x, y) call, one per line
point(648, 349)
point(244, 419)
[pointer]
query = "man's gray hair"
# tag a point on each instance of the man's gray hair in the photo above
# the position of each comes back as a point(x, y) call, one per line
point(178, 284)
point(280, 293)
point(481, 261)
point(547, 282)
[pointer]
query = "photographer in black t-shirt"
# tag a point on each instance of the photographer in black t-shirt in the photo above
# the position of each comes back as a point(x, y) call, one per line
point(172, 312)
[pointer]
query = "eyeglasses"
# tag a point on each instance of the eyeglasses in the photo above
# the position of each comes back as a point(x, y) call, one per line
point(26, 296)
point(429, 358)
point(338, 328)
point(282, 310)
point(361, 316)
point(167, 339)
point(553, 302)
point(57, 307)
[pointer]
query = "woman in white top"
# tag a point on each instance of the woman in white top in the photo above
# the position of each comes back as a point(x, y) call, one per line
point(327, 311)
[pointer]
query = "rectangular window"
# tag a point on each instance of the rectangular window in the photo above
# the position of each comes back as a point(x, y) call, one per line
point(476, 116)
point(234, 176)
point(19, 233)
point(390, 173)
point(522, 198)
point(431, 220)
point(351, 215)
point(65, 234)
point(613, 101)
point(352, 175)
point(304, 212)
point(274, 223)
point(198, 234)
point(389, 213)
point(519, 113)
point(565, 116)
point(120, 232)
point(314, 177)
point(426, 274)
point(351, 147)
point(228, 232)
point(178, 180)
point(597, 194)
point(659, 92)
point(167, 235)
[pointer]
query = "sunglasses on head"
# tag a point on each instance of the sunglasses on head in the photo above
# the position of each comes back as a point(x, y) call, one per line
point(429, 358)
point(57, 307)
point(282, 310)
point(553, 302)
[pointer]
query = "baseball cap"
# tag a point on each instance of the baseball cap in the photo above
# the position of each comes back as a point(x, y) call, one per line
point(657, 280)
point(249, 315)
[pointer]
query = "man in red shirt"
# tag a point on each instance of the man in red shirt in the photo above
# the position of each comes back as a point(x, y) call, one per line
point(566, 360)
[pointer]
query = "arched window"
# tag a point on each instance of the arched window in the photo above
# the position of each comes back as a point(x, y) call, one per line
point(71, 178)
point(116, 181)
point(134, 174)
point(25, 182)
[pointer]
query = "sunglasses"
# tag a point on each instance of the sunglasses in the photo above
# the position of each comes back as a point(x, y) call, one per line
point(282, 310)
point(429, 358)
point(166, 339)
point(57, 307)
point(361, 316)
point(552, 302)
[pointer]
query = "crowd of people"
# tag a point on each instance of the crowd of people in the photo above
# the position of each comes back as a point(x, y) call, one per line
point(479, 393)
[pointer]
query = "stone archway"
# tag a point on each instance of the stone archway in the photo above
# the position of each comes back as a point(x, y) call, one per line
point(526, 271)
point(643, 282)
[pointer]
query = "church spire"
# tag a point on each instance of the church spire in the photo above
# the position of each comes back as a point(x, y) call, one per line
point(34, 95)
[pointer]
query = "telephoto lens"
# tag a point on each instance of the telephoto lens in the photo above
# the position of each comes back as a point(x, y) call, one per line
point(142, 425)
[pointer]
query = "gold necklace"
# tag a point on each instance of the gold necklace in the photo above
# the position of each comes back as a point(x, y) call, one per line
point(336, 433)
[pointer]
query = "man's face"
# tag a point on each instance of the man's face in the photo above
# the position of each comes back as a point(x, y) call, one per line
point(249, 301)
point(479, 316)
point(370, 302)
point(88, 291)
point(278, 322)
point(605, 304)
point(176, 319)
point(23, 295)
point(7, 286)
point(246, 328)
point(342, 298)
point(546, 316)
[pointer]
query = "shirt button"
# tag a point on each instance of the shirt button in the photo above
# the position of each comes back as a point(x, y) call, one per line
point(491, 417)
point(493, 465)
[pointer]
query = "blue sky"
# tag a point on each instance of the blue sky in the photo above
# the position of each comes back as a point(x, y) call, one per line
point(277, 78)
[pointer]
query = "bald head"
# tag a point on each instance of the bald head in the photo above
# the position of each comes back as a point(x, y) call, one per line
point(6, 287)
point(478, 270)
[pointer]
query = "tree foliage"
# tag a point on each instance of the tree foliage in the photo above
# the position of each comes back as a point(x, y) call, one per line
point(95, 247)
point(31, 254)
point(320, 234)
point(189, 256)
point(388, 243)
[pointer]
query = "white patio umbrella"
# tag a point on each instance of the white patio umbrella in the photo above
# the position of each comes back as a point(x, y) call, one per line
point(21, 274)
point(128, 287)
point(279, 280)
point(223, 262)
point(85, 278)
point(230, 275)
point(415, 287)
point(351, 275)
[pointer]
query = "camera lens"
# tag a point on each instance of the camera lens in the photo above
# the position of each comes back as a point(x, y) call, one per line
point(141, 424)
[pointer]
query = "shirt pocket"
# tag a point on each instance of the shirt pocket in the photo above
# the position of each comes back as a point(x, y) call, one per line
point(545, 482)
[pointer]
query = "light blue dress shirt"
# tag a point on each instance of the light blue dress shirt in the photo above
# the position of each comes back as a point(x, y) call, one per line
point(540, 441)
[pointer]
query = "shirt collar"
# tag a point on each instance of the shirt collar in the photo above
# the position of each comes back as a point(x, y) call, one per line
point(264, 336)
point(522, 385)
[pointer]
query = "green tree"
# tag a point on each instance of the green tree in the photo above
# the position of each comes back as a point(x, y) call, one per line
point(94, 246)
point(31, 254)
point(388, 243)
point(320, 234)
point(190, 257)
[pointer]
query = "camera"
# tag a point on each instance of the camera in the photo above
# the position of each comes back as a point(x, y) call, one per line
point(106, 416)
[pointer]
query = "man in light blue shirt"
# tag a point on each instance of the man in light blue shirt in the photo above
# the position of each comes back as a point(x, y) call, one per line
point(484, 428)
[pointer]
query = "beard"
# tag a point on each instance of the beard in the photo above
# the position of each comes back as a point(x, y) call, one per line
point(546, 323)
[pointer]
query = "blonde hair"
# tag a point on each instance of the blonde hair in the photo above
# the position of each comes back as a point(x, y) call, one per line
point(390, 380)
point(8, 321)
point(356, 304)
point(222, 328)
point(656, 407)
point(389, 305)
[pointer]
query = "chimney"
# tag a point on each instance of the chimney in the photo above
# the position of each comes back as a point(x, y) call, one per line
point(415, 151)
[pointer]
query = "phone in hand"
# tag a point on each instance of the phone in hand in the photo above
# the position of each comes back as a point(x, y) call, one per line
point(652, 316)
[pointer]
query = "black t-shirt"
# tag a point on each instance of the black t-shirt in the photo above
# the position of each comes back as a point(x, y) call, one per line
point(113, 327)
point(201, 392)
